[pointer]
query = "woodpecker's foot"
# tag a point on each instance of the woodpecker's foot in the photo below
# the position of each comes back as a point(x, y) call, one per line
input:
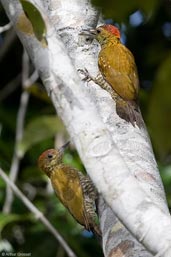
point(87, 76)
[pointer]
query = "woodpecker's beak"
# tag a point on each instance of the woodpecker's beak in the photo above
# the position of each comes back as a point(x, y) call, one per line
point(89, 32)
point(93, 32)
point(62, 148)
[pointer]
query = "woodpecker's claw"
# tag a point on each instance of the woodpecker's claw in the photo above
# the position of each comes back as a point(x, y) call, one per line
point(86, 74)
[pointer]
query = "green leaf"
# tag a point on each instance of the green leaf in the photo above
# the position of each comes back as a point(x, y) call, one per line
point(120, 10)
point(166, 175)
point(160, 109)
point(148, 7)
point(6, 219)
point(37, 130)
point(38, 91)
point(36, 19)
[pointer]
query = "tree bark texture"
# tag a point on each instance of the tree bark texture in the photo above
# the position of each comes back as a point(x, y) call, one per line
point(117, 156)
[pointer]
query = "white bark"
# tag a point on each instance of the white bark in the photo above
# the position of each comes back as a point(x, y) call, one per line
point(117, 156)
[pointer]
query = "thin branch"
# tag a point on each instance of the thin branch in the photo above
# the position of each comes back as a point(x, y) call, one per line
point(8, 40)
point(26, 82)
point(16, 158)
point(25, 68)
point(0, 128)
point(6, 27)
point(39, 215)
point(10, 87)
point(106, 144)
point(19, 134)
point(29, 81)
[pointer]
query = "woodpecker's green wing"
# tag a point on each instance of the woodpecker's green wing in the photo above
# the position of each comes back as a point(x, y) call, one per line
point(66, 183)
point(117, 65)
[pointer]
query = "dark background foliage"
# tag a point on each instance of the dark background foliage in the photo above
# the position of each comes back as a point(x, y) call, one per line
point(146, 30)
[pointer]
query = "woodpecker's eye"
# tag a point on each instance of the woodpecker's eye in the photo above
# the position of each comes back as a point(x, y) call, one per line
point(50, 156)
point(98, 31)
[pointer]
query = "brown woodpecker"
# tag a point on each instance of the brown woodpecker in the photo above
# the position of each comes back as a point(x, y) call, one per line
point(74, 190)
point(118, 69)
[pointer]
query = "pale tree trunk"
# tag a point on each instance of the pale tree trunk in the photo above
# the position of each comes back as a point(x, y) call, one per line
point(117, 156)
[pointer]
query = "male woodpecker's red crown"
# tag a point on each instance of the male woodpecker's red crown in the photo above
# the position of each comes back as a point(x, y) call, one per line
point(112, 29)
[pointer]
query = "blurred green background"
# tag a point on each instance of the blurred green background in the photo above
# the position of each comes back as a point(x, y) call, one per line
point(146, 30)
